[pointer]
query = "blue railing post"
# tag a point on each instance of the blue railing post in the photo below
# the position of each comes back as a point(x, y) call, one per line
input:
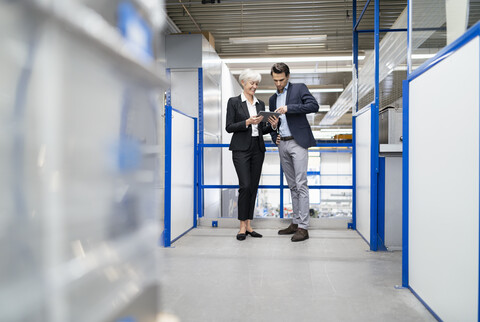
point(374, 139)
point(168, 177)
point(200, 141)
point(195, 174)
point(405, 155)
point(355, 109)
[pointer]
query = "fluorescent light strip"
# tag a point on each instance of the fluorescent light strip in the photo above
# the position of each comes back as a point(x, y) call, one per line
point(313, 90)
point(276, 39)
point(304, 46)
point(324, 108)
point(422, 56)
point(273, 60)
point(326, 90)
point(296, 45)
point(346, 131)
point(320, 70)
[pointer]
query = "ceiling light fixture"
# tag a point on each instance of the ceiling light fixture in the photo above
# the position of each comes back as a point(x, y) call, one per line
point(296, 71)
point(295, 46)
point(324, 108)
point(313, 90)
point(276, 39)
point(273, 60)
point(349, 131)
point(422, 56)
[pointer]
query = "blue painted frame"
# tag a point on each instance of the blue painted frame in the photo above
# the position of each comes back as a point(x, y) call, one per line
point(353, 225)
point(166, 235)
point(281, 186)
point(200, 142)
point(168, 178)
point(374, 158)
point(195, 174)
point(405, 182)
point(470, 34)
point(375, 241)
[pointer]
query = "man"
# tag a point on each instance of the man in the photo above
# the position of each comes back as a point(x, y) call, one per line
point(294, 137)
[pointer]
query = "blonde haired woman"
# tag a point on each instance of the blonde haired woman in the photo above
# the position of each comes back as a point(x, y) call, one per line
point(247, 146)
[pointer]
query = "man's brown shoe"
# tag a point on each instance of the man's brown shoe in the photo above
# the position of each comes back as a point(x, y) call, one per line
point(289, 230)
point(300, 234)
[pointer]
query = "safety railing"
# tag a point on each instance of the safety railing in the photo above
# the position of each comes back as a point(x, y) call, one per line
point(345, 147)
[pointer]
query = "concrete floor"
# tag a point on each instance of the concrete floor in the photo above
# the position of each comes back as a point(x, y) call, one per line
point(207, 275)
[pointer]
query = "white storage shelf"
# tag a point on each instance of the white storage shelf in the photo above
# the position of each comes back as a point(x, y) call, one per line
point(79, 223)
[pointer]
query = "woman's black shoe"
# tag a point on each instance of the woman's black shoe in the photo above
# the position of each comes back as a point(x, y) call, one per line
point(254, 234)
point(241, 236)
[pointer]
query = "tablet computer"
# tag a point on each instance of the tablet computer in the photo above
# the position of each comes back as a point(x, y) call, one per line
point(267, 114)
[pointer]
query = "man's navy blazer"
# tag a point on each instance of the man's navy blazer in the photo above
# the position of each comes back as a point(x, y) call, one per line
point(237, 115)
point(299, 103)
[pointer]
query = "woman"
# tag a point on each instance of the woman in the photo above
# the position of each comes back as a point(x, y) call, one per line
point(247, 146)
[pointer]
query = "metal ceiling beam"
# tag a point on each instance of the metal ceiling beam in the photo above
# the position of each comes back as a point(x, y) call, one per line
point(193, 20)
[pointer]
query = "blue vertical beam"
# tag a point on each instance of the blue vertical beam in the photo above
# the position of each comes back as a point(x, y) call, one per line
point(374, 139)
point(168, 164)
point(195, 173)
point(168, 177)
point(405, 183)
point(405, 154)
point(200, 141)
point(355, 109)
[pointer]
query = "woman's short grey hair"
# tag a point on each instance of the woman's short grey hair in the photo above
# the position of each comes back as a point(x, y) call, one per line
point(249, 75)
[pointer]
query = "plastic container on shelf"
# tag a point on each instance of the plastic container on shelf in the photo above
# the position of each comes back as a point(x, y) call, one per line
point(79, 183)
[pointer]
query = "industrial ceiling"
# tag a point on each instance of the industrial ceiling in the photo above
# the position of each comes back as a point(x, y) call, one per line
point(229, 20)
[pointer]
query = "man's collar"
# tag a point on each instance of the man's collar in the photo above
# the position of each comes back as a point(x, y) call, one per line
point(284, 89)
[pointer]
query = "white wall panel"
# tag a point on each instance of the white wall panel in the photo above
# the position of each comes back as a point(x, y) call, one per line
point(184, 90)
point(230, 88)
point(212, 157)
point(444, 185)
point(363, 147)
point(183, 164)
point(393, 202)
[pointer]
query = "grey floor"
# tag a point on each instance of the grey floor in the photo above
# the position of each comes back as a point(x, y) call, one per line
point(210, 276)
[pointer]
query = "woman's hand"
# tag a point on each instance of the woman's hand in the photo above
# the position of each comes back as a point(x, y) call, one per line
point(254, 120)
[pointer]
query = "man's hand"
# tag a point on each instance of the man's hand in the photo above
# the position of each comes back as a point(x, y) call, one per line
point(282, 109)
point(277, 142)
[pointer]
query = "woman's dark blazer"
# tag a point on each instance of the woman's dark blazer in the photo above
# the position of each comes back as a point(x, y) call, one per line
point(237, 115)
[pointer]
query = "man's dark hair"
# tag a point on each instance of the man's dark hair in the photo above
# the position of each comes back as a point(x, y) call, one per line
point(279, 68)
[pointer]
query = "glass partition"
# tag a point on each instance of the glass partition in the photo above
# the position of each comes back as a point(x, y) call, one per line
point(428, 30)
